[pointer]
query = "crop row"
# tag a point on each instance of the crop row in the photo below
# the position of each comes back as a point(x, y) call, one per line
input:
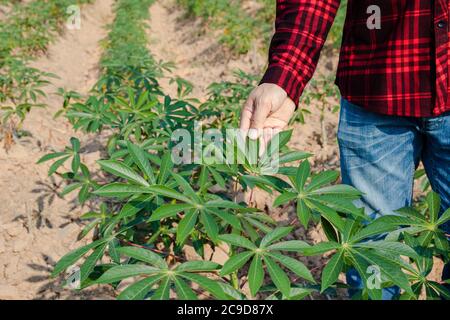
point(237, 29)
point(27, 31)
point(240, 28)
point(154, 208)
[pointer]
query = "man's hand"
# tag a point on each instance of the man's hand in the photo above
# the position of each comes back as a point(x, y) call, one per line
point(266, 112)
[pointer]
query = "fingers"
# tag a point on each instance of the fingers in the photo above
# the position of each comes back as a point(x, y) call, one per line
point(268, 107)
point(280, 118)
point(261, 112)
point(246, 114)
point(276, 122)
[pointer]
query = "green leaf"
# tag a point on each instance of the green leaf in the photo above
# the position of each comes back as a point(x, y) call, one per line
point(89, 264)
point(50, 156)
point(330, 273)
point(362, 267)
point(58, 163)
point(186, 226)
point(184, 292)
point(278, 276)
point(441, 242)
point(230, 292)
point(294, 265)
point(352, 225)
point(322, 179)
point(443, 291)
point(284, 198)
point(113, 245)
point(169, 210)
point(339, 190)
point(91, 225)
point(255, 275)
point(329, 230)
point(340, 204)
point(412, 213)
point(211, 227)
point(168, 192)
point(275, 235)
point(379, 226)
point(388, 268)
point(220, 203)
point(235, 262)
point(217, 177)
point(133, 206)
point(163, 291)
point(76, 163)
point(120, 190)
point(228, 218)
point(291, 246)
point(395, 248)
point(197, 266)
point(186, 187)
point(165, 168)
point(303, 213)
point(444, 218)
point(321, 248)
point(300, 293)
point(126, 271)
point(83, 195)
point(73, 256)
point(69, 188)
point(123, 171)
point(293, 156)
point(140, 159)
point(434, 205)
point(237, 241)
point(143, 255)
point(139, 290)
point(206, 284)
point(328, 213)
point(75, 144)
point(302, 175)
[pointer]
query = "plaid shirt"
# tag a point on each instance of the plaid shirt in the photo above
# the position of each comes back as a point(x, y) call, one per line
point(399, 69)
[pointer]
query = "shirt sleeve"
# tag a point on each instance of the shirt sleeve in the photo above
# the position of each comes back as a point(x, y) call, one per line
point(301, 28)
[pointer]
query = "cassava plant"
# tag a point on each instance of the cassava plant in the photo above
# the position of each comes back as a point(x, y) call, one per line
point(26, 32)
point(154, 210)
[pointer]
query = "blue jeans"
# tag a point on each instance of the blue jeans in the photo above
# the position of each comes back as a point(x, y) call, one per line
point(379, 155)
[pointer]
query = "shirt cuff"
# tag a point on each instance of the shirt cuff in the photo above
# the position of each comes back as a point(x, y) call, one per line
point(286, 79)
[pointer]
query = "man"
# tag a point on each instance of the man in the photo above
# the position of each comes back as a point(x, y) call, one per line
point(394, 78)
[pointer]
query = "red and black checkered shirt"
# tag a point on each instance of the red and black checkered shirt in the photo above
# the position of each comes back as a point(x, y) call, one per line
point(401, 68)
